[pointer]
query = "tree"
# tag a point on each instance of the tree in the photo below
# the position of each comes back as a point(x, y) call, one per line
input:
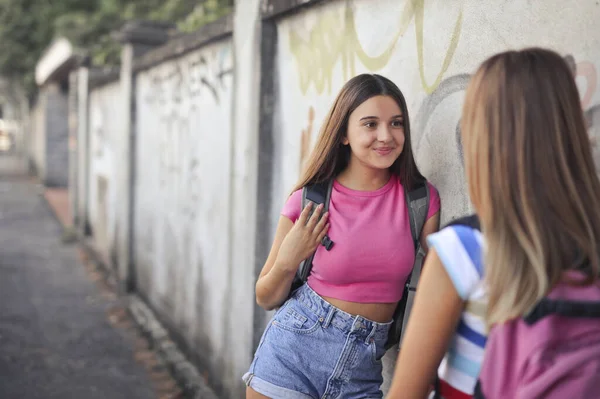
point(27, 27)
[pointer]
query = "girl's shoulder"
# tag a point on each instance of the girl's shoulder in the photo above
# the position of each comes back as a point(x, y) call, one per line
point(460, 249)
point(293, 206)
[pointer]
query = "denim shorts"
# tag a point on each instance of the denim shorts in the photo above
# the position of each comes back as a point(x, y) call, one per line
point(311, 349)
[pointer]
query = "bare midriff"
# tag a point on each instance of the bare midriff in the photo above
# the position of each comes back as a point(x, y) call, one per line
point(378, 312)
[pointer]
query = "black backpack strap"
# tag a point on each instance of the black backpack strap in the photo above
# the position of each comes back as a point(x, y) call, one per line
point(471, 221)
point(572, 309)
point(478, 394)
point(417, 203)
point(317, 193)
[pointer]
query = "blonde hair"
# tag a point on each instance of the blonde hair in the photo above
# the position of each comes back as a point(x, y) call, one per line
point(531, 178)
point(329, 157)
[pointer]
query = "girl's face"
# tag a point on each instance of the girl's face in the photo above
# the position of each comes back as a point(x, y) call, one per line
point(376, 133)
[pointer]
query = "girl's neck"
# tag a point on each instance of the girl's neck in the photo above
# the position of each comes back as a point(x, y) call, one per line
point(362, 178)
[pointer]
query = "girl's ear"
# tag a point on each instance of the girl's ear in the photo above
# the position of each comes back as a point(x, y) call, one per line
point(345, 140)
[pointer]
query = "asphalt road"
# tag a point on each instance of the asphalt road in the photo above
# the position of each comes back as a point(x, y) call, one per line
point(55, 339)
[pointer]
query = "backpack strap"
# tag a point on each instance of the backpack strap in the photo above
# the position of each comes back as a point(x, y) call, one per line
point(471, 221)
point(317, 193)
point(572, 309)
point(478, 394)
point(417, 203)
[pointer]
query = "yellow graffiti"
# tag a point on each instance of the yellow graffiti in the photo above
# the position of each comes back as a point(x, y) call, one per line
point(329, 43)
point(449, 54)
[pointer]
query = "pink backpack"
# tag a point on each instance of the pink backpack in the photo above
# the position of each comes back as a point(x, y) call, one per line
point(552, 353)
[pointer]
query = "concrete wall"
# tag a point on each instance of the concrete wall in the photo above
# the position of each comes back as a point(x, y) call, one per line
point(105, 114)
point(182, 180)
point(37, 140)
point(57, 136)
point(48, 140)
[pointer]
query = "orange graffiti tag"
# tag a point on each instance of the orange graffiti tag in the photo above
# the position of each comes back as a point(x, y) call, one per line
point(305, 138)
point(587, 70)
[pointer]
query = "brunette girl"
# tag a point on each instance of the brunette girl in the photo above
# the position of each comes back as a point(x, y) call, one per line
point(327, 339)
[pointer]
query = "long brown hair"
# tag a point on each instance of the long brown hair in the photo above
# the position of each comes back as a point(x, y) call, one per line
point(531, 177)
point(329, 156)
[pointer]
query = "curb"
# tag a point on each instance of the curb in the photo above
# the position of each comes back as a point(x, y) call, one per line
point(190, 381)
point(184, 372)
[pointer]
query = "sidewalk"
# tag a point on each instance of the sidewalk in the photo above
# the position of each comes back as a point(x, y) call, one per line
point(56, 337)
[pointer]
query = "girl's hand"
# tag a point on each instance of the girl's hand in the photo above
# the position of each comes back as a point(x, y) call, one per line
point(303, 239)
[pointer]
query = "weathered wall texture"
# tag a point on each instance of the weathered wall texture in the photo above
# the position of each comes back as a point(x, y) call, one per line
point(428, 48)
point(57, 136)
point(182, 180)
point(37, 138)
point(105, 113)
point(49, 134)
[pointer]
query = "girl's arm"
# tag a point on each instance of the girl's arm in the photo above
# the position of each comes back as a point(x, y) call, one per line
point(433, 320)
point(431, 226)
point(293, 243)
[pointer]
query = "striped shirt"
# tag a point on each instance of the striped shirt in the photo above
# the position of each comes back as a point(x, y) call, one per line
point(460, 250)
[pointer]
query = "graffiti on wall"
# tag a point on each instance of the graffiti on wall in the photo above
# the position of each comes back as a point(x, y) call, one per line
point(98, 128)
point(183, 149)
point(305, 138)
point(458, 83)
point(446, 88)
point(175, 93)
point(105, 120)
point(435, 137)
point(586, 71)
point(192, 78)
point(328, 45)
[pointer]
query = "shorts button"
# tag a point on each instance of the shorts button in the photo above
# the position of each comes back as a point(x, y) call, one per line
point(321, 319)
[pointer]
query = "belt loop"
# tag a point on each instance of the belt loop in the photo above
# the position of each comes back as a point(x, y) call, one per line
point(370, 336)
point(356, 324)
point(329, 316)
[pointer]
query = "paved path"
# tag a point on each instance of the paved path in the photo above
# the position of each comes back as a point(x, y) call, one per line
point(55, 339)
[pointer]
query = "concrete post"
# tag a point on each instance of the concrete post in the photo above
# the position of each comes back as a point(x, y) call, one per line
point(137, 37)
point(243, 191)
point(72, 112)
point(56, 128)
point(83, 155)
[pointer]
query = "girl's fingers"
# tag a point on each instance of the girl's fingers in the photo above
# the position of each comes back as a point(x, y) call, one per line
point(321, 224)
point(304, 215)
point(323, 233)
point(314, 219)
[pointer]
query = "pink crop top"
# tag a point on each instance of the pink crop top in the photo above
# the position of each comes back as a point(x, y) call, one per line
point(373, 251)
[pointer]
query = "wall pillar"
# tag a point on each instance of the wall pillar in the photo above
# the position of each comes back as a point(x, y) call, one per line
point(137, 38)
point(243, 191)
point(83, 152)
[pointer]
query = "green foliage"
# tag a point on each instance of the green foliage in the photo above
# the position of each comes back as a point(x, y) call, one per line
point(207, 12)
point(27, 27)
